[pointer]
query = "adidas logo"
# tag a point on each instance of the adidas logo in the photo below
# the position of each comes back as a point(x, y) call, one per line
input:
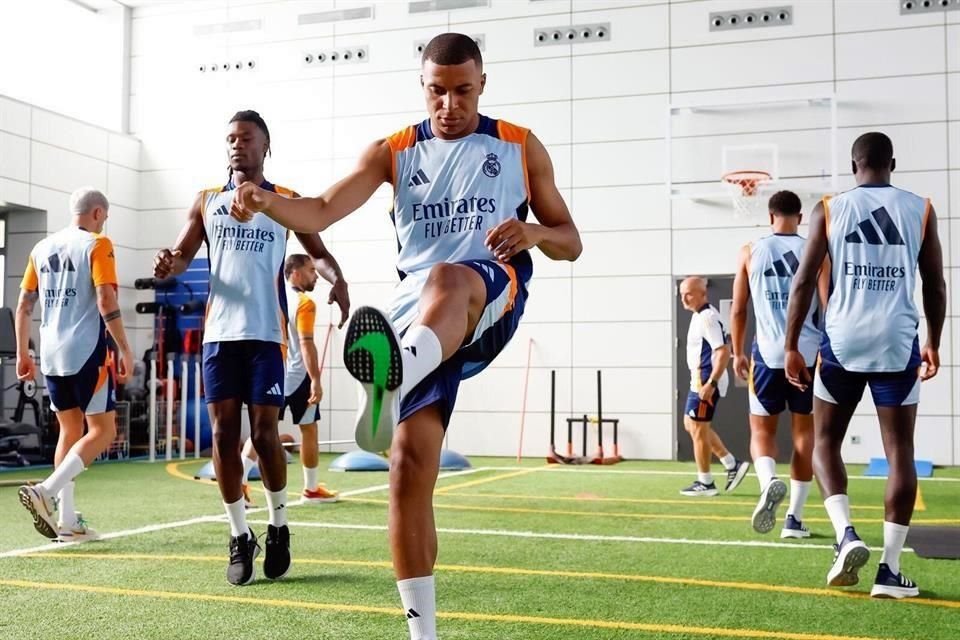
point(412, 350)
point(780, 267)
point(412, 613)
point(869, 233)
point(53, 264)
point(419, 179)
point(275, 390)
point(221, 211)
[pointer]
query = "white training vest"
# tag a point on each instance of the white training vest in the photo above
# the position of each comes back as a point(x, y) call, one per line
point(774, 261)
point(874, 235)
point(247, 299)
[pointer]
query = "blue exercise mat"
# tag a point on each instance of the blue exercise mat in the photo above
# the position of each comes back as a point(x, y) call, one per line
point(879, 467)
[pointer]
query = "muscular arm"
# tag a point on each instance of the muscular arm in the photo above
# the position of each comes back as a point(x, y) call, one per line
point(175, 261)
point(558, 236)
point(806, 278)
point(25, 306)
point(741, 298)
point(109, 309)
point(326, 264)
point(312, 215)
point(930, 263)
point(311, 359)
point(719, 359)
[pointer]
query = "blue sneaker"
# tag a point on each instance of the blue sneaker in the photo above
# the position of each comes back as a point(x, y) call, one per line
point(893, 585)
point(765, 515)
point(850, 556)
point(700, 490)
point(793, 528)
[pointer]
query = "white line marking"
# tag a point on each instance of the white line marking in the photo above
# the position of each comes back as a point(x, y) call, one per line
point(507, 533)
point(656, 472)
point(53, 546)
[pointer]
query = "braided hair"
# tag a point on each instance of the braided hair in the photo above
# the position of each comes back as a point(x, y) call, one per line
point(249, 115)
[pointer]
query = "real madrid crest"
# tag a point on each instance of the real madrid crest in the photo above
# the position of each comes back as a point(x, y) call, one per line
point(491, 167)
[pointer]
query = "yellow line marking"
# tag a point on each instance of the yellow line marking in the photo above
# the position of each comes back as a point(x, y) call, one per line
point(444, 615)
point(519, 571)
point(173, 468)
point(919, 504)
point(497, 478)
point(619, 514)
point(685, 502)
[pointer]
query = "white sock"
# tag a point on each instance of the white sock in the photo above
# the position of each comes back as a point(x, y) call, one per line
point(277, 503)
point(421, 355)
point(310, 478)
point(420, 606)
point(705, 478)
point(894, 535)
point(68, 512)
point(248, 466)
point(237, 514)
point(70, 468)
point(729, 462)
point(799, 490)
point(766, 468)
point(838, 508)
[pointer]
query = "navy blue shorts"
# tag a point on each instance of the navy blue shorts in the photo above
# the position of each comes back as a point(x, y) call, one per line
point(506, 299)
point(771, 394)
point(836, 385)
point(698, 410)
point(92, 389)
point(248, 370)
point(300, 411)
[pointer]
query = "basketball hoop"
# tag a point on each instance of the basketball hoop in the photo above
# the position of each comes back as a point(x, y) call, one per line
point(744, 188)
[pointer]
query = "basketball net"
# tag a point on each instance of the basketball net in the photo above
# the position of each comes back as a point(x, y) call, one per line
point(744, 189)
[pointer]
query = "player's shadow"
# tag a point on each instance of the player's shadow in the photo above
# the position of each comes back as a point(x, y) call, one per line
point(320, 579)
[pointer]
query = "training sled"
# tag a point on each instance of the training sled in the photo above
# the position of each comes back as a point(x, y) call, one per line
point(879, 467)
point(598, 457)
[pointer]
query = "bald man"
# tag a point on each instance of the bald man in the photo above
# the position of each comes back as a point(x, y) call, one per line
point(707, 356)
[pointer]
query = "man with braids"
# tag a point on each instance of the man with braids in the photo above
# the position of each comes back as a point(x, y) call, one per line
point(244, 337)
point(463, 184)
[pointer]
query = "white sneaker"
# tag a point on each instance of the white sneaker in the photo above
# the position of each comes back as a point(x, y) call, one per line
point(372, 355)
point(850, 556)
point(42, 507)
point(79, 531)
point(765, 515)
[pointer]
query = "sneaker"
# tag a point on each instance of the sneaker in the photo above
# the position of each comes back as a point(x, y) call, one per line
point(276, 563)
point(320, 494)
point(42, 507)
point(765, 515)
point(736, 475)
point(893, 585)
point(793, 528)
point(849, 557)
point(700, 490)
point(79, 531)
point(372, 355)
point(243, 551)
point(248, 502)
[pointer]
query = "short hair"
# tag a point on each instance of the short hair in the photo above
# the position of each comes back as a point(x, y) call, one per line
point(294, 262)
point(873, 150)
point(785, 203)
point(452, 48)
point(86, 199)
point(249, 115)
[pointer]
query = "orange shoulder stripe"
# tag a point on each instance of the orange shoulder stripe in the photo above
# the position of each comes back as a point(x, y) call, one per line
point(285, 192)
point(399, 141)
point(509, 132)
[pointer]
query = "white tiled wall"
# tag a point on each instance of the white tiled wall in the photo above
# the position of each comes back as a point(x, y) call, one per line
point(44, 156)
point(598, 107)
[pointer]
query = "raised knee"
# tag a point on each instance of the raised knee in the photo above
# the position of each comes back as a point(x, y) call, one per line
point(446, 275)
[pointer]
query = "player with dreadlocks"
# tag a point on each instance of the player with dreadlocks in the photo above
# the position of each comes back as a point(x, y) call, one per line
point(244, 337)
